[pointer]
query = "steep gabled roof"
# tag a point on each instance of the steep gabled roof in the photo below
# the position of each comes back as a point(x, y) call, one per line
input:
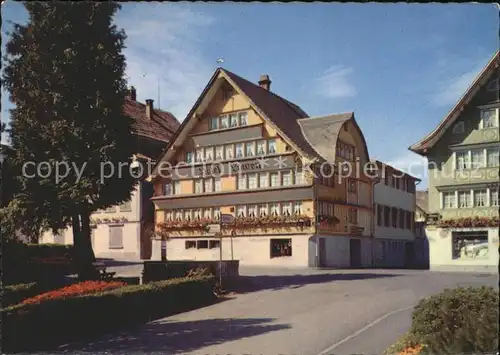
point(289, 120)
point(161, 126)
point(430, 140)
point(322, 133)
point(279, 111)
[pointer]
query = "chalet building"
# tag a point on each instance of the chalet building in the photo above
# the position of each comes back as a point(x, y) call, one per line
point(124, 231)
point(463, 154)
point(395, 204)
point(284, 177)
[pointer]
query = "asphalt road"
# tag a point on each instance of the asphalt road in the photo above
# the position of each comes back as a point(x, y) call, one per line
point(294, 311)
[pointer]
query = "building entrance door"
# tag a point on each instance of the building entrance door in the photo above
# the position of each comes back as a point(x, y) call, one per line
point(321, 252)
point(355, 253)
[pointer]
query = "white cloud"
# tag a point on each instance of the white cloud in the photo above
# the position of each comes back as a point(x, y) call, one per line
point(334, 83)
point(164, 41)
point(450, 91)
point(412, 164)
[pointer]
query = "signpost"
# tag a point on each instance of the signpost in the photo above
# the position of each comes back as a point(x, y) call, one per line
point(224, 219)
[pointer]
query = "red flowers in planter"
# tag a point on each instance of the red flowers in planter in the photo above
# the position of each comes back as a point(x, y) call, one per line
point(470, 222)
point(78, 289)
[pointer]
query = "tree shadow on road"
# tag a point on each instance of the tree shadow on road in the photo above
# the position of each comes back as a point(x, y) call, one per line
point(246, 284)
point(172, 337)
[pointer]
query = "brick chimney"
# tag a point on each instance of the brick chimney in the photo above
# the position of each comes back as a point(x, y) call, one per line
point(132, 94)
point(149, 108)
point(265, 82)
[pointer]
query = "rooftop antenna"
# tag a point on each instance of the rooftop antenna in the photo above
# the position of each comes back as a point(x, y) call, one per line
point(220, 60)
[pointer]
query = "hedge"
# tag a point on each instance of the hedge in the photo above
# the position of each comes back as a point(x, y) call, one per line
point(43, 326)
point(19, 262)
point(455, 321)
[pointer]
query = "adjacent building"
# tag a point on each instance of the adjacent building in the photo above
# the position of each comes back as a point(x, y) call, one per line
point(463, 157)
point(421, 242)
point(124, 231)
point(294, 184)
point(394, 198)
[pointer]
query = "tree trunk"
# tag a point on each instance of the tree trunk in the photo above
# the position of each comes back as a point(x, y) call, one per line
point(84, 255)
point(86, 236)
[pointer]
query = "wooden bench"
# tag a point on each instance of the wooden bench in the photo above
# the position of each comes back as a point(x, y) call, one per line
point(101, 268)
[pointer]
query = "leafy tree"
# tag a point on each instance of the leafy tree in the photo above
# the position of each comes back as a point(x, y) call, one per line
point(65, 75)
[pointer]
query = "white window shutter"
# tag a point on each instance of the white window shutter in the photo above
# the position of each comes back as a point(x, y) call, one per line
point(454, 161)
point(441, 200)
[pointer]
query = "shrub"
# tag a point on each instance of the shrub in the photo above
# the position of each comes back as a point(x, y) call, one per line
point(21, 262)
point(76, 289)
point(47, 324)
point(461, 320)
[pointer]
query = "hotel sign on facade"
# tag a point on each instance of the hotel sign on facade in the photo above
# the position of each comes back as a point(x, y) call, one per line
point(184, 171)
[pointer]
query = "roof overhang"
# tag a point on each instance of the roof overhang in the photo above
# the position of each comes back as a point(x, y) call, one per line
point(422, 147)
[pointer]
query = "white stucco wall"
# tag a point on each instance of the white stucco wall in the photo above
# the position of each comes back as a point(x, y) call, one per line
point(131, 232)
point(253, 250)
point(389, 196)
point(440, 252)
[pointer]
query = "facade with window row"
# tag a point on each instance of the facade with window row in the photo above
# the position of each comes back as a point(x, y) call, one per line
point(395, 203)
point(463, 155)
point(247, 152)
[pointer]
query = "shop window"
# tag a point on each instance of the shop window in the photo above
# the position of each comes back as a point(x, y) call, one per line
point(214, 244)
point(281, 247)
point(190, 244)
point(470, 245)
point(202, 244)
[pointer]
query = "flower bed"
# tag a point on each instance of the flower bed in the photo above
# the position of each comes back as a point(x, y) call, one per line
point(46, 325)
point(470, 222)
point(74, 290)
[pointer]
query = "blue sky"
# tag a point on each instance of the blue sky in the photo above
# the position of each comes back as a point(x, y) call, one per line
point(399, 67)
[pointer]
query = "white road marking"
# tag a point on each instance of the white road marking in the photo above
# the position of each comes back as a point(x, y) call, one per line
point(356, 333)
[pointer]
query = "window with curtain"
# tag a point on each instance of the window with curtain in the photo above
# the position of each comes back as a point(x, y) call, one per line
point(275, 209)
point(240, 211)
point(198, 186)
point(263, 210)
point(252, 181)
point(297, 207)
point(261, 147)
point(287, 208)
point(208, 185)
point(477, 159)
point(287, 178)
point(263, 180)
point(275, 179)
point(493, 157)
point(229, 151)
point(271, 146)
point(464, 199)
point(449, 199)
point(462, 160)
point(480, 198)
point(252, 211)
point(494, 197)
point(219, 153)
point(233, 120)
point(239, 150)
point(250, 149)
point(242, 182)
point(217, 184)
